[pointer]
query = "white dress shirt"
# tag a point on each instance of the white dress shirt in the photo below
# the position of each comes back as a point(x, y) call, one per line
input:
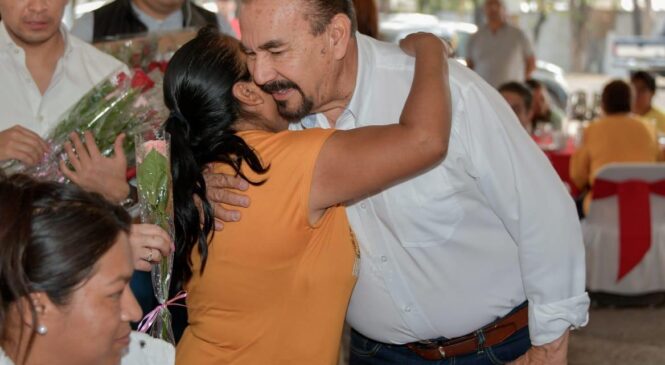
point(80, 68)
point(452, 250)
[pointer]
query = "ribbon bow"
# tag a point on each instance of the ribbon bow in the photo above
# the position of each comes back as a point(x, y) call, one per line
point(150, 318)
point(634, 217)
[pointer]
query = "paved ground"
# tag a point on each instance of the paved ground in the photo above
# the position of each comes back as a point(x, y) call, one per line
point(620, 336)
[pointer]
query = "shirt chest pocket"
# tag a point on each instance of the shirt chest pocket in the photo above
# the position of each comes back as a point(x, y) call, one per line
point(423, 211)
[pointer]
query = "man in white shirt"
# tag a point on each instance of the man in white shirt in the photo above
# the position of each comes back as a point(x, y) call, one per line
point(44, 71)
point(449, 259)
point(500, 52)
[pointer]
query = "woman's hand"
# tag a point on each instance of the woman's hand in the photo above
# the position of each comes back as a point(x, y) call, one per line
point(149, 244)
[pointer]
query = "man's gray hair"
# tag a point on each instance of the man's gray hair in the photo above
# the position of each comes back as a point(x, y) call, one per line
point(321, 12)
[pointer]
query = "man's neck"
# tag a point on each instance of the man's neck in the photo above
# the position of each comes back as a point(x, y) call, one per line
point(153, 11)
point(495, 25)
point(41, 59)
point(345, 85)
point(643, 111)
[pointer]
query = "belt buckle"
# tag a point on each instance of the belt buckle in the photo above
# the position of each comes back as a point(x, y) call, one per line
point(442, 352)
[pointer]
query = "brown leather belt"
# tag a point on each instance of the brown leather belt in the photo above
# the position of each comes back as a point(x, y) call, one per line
point(493, 334)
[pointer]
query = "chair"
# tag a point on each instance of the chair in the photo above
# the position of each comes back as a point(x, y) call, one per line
point(624, 232)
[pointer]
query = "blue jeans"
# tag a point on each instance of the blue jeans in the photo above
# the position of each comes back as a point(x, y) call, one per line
point(365, 351)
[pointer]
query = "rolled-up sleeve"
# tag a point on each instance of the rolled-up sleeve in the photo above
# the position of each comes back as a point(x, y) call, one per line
point(527, 195)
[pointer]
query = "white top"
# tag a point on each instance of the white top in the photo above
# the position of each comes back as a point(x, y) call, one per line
point(143, 350)
point(146, 350)
point(500, 56)
point(80, 68)
point(450, 251)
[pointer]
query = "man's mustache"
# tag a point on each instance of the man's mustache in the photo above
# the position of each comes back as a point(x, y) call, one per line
point(276, 86)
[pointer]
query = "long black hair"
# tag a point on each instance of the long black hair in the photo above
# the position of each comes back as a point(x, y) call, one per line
point(198, 92)
point(51, 236)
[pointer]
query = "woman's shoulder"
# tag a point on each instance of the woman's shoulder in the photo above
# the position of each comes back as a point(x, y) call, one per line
point(287, 141)
point(146, 350)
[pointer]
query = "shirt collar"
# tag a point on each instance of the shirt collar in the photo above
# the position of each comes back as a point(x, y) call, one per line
point(147, 20)
point(7, 43)
point(362, 87)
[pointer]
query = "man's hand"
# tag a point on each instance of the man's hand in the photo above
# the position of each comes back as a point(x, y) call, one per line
point(19, 143)
point(149, 244)
point(553, 353)
point(94, 172)
point(219, 188)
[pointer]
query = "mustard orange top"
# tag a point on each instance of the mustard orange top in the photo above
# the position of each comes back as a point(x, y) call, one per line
point(615, 138)
point(275, 288)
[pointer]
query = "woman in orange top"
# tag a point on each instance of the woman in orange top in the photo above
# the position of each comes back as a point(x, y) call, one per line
point(618, 136)
point(273, 288)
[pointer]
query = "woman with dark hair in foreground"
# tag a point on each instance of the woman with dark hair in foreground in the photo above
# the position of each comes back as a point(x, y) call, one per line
point(274, 287)
point(65, 264)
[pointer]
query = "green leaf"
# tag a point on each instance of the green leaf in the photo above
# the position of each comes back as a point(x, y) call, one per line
point(153, 176)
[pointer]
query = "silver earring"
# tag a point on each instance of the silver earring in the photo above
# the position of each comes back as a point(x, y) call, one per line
point(41, 329)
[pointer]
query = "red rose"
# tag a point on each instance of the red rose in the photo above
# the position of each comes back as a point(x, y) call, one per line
point(142, 81)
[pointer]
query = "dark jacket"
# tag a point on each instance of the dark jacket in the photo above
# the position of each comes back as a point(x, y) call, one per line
point(119, 19)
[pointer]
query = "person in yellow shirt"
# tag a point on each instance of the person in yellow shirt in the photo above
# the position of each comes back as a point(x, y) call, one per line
point(618, 136)
point(644, 86)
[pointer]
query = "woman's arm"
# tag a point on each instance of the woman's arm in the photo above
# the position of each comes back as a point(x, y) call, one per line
point(362, 161)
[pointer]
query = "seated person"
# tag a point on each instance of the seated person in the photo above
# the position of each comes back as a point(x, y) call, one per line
point(65, 265)
point(644, 86)
point(617, 136)
point(131, 17)
point(543, 110)
point(519, 98)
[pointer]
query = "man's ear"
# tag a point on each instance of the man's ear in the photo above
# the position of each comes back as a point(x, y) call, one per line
point(246, 93)
point(340, 34)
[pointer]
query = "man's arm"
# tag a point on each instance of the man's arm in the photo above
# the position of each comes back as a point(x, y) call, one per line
point(19, 143)
point(529, 57)
point(525, 192)
point(530, 63)
point(555, 352)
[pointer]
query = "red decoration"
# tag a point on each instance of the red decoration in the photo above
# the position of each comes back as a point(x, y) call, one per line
point(634, 217)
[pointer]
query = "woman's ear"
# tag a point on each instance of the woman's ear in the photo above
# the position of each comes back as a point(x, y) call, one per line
point(246, 93)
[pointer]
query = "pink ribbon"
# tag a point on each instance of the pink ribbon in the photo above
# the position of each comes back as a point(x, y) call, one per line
point(150, 318)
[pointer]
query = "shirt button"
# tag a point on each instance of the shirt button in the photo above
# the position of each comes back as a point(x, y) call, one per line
point(407, 308)
point(16, 50)
point(40, 119)
point(363, 205)
point(384, 259)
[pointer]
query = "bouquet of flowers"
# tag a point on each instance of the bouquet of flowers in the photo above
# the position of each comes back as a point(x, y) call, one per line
point(153, 172)
point(147, 51)
point(121, 103)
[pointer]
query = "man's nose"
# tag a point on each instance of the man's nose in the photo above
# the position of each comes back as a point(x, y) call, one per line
point(38, 6)
point(262, 70)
